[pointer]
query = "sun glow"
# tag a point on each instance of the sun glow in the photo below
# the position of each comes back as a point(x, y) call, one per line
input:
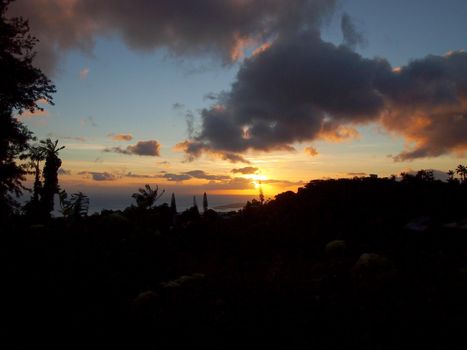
point(256, 180)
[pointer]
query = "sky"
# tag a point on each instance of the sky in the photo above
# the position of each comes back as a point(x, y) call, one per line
point(217, 96)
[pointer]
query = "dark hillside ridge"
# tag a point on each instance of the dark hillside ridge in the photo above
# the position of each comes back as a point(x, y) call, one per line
point(365, 262)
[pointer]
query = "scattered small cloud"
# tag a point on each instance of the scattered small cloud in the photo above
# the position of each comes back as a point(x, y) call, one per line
point(141, 148)
point(68, 138)
point(99, 176)
point(88, 121)
point(357, 174)
point(36, 113)
point(246, 170)
point(311, 151)
point(178, 106)
point(83, 73)
point(120, 137)
point(62, 171)
point(141, 176)
point(200, 174)
point(176, 177)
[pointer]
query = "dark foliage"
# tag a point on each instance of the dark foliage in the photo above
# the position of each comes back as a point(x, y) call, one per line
point(368, 263)
point(21, 87)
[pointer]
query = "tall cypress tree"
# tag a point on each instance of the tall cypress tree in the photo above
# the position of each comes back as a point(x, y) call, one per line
point(205, 203)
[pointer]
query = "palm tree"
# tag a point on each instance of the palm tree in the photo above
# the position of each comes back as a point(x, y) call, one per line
point(461, 170)
point(79, 205)
point(36, 155)
point(451, 174)
point(76, 207)
point(50, 174)
point(146, 197)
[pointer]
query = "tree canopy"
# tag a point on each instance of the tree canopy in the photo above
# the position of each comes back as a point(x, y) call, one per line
point(22, 88)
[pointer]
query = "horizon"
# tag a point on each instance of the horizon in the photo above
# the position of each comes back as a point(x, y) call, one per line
point(147, 99)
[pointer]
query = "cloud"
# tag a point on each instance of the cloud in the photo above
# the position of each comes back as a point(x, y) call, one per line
point(246, 170)
point(176, 177)
point(70, 138)
point(282, 182)
point(141, 148)
point(295, 88)
point(352, 37)
point(311, 151)
point(428, 100)
point(185, 27)
point(99, 176)
point(303, 89)
point(88, 121)
point(194, 149)
point(178, 106)
point(141, 176)
point(83, 73)
point(62, 171)
point(120, 137)
point(36, 113)
point(357, 174)
point(200, 174)
point(300, 89)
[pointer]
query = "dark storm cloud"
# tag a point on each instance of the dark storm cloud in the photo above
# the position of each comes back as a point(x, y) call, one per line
point(141, 148)
point(428, 100)
point(299, 89)
point(352, 36)
point(246, 170)
point(218, 27)
point(295, 88)
point(304, 89)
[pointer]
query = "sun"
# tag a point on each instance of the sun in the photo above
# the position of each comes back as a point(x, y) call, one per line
point(257, 178)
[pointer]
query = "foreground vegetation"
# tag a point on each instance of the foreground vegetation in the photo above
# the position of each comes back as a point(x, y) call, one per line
point(368, 262)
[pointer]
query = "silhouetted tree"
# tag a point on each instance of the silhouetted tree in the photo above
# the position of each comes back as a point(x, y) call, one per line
point(21, 87)
point(173, 209)
point(50, 174)
point(205, 203)
point(36, 155)
point(261, 194)
point(451, 174)
point(79, 205)
point(425, 175)
point(461, 170)
point(146, 197)
point(173, 204)
point(76, 207)
point(195, 205)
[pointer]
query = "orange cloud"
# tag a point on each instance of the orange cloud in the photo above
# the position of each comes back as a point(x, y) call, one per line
point(83, 73)
point(36, 113)
point(340, 133)
point(261, 48)
point(121, 137)
point(311, 151)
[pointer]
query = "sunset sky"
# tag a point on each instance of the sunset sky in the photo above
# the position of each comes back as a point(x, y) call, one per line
point(212, 95)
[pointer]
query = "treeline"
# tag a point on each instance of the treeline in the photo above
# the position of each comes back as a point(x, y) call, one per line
point(368, 262)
